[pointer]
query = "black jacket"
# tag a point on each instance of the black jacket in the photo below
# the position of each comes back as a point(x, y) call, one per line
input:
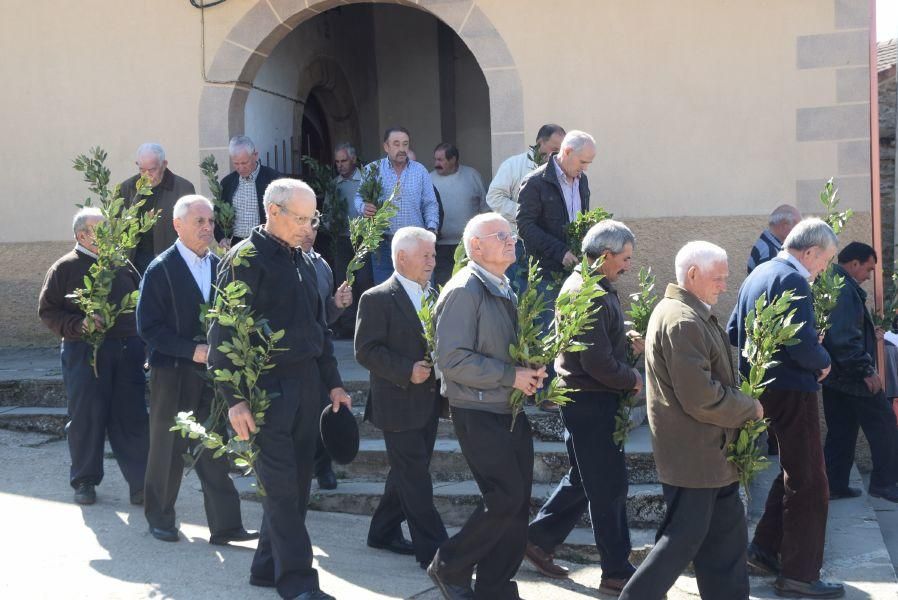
point(851, 340)
point(168, 311)
point(229, 186)
point(389, 340)
point(542, 215)
point(283, 290)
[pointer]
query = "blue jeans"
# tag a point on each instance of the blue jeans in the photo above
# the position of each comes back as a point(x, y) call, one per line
point(382, 261)
point(517, 272)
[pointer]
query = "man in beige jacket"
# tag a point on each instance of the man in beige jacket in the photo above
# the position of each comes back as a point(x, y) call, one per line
point(695, 408)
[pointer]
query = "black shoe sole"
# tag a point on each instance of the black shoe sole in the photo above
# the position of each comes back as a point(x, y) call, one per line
point(797, 594)
point(763, 567)
point(440, 585)
point(388, 548)
point(259, 582)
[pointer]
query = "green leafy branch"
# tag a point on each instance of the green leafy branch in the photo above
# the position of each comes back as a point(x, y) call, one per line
point(576, 229)
point(459, 258)
point(828, 284)
point(834, 217)
point(889, 303)
point(224, 212)
point(367, 233)
point(426, 314)
point(320, 176)
point(371, 188)
point(116, 236)
point(537, 156)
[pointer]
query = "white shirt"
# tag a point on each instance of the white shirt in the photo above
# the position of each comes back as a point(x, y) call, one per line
point(785, 254)
point(84, 250)
point(200, 267)
point(413, 289)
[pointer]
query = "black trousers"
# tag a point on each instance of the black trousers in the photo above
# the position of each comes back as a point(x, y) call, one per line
point(287, 448)
point(323, 463)
point(173, 390)
point(408, 492)
point(445, 263)
point(364, 280)
point(705, 526)
point(845, 413)
point(597, 480)
point(109, 405)
point(495, 535)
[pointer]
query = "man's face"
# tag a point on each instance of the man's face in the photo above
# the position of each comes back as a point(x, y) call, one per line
point(616, 265)
point(816, 259)
point(418, 262)
point(708, 282)
point(861, 271)
point(344, 163)
point(292, 222)
point(396, 147)
point(244, 162)
point(575, 164)
point(87, 237)
point(149, 164)
point(553, 144)
point(443, 165)
point(195, 229)
point(489, 250)
point(308, 239)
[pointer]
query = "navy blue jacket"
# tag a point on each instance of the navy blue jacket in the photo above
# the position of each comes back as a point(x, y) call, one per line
point(168, 311)
point(851, 340)
point(799, 364)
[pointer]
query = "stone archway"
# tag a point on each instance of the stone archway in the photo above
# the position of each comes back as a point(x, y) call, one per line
point(255, 35)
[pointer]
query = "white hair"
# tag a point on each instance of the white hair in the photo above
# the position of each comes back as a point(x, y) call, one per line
point(810, 233)
point(79, 222)
point(185, 203)
point(240, 142)
point(577, 140)
point(348, 148)
point(784, 213)
point(407, 237)
point(472, 229)
point(151, 148)
point(697, 254)
point(281, 190)
point(607, 235)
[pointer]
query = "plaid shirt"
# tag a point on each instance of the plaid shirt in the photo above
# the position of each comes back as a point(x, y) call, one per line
point(246, 204)
point(416, 201)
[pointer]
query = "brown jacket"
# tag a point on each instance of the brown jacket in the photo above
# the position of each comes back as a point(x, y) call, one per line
point(694, 403)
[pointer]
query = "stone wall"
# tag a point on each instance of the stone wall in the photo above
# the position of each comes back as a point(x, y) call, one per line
point(888, 98)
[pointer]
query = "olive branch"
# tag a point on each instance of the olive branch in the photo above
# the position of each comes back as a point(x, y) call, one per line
point(576, 229)
point(828, 284)
point(536, 156)
point(224, 212)
point(321, 178)
point(367, 233)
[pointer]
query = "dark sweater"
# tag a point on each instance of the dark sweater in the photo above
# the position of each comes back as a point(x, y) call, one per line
point(62, 316)
point(799, 364)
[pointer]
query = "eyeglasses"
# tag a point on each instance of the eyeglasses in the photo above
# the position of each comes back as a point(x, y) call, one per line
point(313, 221)
point(502, 236)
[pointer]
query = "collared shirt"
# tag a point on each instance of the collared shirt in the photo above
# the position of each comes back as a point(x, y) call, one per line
point(200, 267)
point(347, 187)
point(246, 204)
point(84, 250)
point(570, 189)
point(764, 249)
point(786, 255)
point(415, 290)
point(499, 282)
point(416, 201)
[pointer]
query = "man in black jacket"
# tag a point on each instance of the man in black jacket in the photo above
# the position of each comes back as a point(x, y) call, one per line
point(853, 392)
point(172, 292)
point(244, 188)
point(283, 290)
point(404, 401)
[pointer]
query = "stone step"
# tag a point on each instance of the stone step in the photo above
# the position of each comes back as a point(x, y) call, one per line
point(38, 419)
point(456, 500)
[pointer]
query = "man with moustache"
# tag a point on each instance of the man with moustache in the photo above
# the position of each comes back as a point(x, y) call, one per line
point(404, 400)
point(177, 284)
point(600, 374)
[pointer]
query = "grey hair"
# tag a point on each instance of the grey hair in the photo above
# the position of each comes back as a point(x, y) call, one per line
point(607, 236)
point(784, 213)
point(185, 203)
point(472, 229)
point(240, 142)
point(810, 233)
point(281, 190)
point(349, 148)
point(79, 222)
point(697, 254)
point(406, 238)
point(577, 140)
point(151, 148)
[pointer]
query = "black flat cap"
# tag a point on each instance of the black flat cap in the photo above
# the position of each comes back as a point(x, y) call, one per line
point(340, 434)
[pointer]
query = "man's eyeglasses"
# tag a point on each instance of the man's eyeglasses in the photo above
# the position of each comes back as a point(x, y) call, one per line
point(313, 221)
point(502, 236)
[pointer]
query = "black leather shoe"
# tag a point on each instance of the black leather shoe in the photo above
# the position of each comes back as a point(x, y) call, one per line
point(137, 498)
point(792, 588)
point(399, 545)
point(450, 591)
point(165, 535)
point(762, 560)
point(889, 493)
point(314, 595)
point(848, 492)
point(223, 538)
point(85, 493)
point(327, 481)
point(261, 581)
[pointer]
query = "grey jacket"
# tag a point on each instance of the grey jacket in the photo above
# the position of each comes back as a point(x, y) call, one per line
point(475, 323)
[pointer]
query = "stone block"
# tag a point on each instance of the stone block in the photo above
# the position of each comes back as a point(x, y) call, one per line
point(484, 41)
point(234, 63)
point(843, 49)
point(854, 193)
point(217, 121)
point(506, 100)
point(450, 12)
point(260, 29)
point(852, 14)
point(832, 122)
point(853, 85)
point(854, 157)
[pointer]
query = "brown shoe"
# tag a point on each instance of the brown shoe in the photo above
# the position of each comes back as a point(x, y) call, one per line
point(544, 563)
point(612, 585)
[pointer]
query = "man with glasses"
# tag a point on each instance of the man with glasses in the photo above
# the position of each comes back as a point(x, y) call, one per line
point(284, 291)
point(167, 188)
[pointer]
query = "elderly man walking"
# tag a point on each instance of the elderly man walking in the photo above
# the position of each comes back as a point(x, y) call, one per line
point(476, 320)
point(404, 401)
point(110, 402)
point(167, 188)
point(601, 374)
point(695, 408)
point(770, 242)
point(790, 536)
point(284, 291)
point(177, 283)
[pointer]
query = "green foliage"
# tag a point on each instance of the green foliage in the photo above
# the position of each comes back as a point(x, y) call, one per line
point(224, 212)
point(641, 305)
point(575, 313)
point(459, 258)
point(250, 350)
point(335, 217)
point(116, 236)
point(889, 303)
point(428, 304)
point(536, 156)
point(830, 201)
point(826, 290)
point(371, 188)
point(576, 229)
point(366, 233)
